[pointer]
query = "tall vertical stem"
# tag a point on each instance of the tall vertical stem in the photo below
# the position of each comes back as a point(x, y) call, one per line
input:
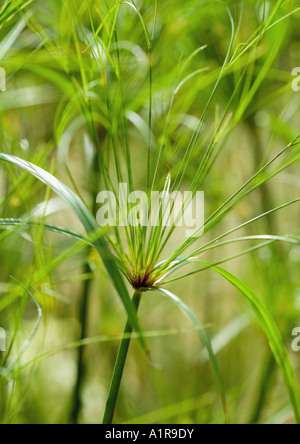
point(80, 362)
point(269, 363)
point(83, 313)
point(119, 367)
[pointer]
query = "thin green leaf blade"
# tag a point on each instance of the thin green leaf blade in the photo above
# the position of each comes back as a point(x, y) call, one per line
point(88, 221)
point(274, 336)
point(205, 341)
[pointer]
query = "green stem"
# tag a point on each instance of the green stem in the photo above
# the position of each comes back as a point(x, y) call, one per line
point(81, 368)
point(83, 313)
point(119, 367)
point(269, 366)
point(265, 385)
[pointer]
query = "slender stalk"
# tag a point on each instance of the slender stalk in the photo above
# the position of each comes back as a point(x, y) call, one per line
point(265, 385)
point(81, 368)
point(83, 313)
point(269, 365)
point(119, 367)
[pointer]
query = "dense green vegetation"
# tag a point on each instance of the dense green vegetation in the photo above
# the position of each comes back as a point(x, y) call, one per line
point(166, 96)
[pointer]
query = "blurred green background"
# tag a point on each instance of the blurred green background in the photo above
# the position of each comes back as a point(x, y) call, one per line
point(48, 47)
